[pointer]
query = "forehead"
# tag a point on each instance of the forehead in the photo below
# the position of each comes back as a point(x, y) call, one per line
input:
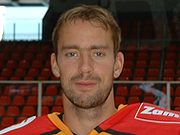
point(88, 24)
point(84, 32)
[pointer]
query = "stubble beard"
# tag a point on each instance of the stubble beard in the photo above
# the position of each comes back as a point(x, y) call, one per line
point(87, 100)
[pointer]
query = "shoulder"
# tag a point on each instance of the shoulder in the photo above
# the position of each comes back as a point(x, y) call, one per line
point(18, 126)
point(142, 118)
point(32, 125)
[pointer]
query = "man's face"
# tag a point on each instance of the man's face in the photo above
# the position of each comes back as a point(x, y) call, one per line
point(85, 63)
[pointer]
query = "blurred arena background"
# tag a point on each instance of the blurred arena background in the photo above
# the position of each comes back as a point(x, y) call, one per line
point(150, 43)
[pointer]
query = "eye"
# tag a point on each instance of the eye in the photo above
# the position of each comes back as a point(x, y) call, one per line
point(71, 54)
point(99, 54)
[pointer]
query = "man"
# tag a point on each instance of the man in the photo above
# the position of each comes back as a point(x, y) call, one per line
point(87, 59)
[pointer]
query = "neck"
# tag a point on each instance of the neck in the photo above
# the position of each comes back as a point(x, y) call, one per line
point(81, 121)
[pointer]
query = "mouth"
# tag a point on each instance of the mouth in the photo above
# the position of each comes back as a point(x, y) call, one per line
point(86, 84)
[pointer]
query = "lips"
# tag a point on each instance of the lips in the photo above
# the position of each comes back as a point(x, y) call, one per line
point(85, 83)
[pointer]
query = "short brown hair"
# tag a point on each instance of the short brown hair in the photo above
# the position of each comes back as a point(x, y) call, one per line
point(92, 13)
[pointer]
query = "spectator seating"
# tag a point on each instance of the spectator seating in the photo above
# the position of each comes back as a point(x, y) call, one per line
point(31, 61)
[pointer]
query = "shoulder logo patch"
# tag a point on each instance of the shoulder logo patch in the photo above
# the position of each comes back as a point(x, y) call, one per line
point(155, 114)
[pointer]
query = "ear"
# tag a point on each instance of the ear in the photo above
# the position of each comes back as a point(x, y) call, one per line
point(54, 65)
point(119, 62)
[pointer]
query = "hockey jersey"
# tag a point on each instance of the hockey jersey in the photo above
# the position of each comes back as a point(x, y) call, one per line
point(135, 119)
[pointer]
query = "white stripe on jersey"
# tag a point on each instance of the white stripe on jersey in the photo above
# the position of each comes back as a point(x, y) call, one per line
point(22, 124)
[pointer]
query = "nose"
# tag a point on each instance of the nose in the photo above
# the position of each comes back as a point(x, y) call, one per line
point(86, 63)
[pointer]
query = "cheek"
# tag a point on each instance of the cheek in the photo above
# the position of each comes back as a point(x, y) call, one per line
point(67, 70)
point(106, 70)
point(65, 77)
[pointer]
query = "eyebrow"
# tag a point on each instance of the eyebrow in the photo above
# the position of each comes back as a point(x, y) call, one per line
point(99, 47)
point(93, 47)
